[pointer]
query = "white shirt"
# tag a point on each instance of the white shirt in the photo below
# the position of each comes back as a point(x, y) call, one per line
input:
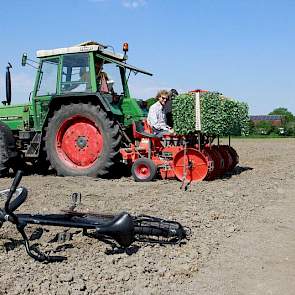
point(157, 117)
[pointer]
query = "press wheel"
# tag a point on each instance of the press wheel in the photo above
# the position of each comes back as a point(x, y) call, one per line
point(190, 164)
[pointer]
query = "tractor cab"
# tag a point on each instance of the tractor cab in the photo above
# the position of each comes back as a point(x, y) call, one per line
point(87, 70)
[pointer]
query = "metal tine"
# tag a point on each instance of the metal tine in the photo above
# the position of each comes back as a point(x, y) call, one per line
point(75, 200)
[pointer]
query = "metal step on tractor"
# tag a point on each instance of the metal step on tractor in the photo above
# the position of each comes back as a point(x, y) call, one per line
point(82, 120)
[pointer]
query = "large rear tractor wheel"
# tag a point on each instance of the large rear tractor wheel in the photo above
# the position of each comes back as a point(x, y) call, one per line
point(81, 140)
point(8, 152)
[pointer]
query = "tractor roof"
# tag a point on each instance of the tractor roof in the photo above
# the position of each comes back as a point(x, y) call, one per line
point(87, 46)
point(91, 46)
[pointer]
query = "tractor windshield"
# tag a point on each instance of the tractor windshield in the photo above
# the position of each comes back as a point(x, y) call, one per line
point(75, 73)
point(48, 77)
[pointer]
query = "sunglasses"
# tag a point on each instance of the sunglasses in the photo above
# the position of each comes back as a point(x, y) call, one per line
point(164, 98)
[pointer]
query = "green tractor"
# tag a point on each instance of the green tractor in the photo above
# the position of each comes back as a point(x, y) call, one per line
point(79, 114)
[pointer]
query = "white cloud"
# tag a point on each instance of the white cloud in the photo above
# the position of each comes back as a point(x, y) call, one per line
point(133, 3)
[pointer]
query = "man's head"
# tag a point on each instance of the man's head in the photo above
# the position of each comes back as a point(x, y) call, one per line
point(173, 93)
point(98, 65)
point(162, 96)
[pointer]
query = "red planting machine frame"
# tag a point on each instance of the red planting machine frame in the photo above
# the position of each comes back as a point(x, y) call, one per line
point(185, 157)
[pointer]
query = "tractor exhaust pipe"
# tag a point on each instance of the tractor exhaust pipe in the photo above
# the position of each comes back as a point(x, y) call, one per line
point(8, 84)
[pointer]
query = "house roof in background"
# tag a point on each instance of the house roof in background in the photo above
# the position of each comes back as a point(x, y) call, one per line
point(266, 117)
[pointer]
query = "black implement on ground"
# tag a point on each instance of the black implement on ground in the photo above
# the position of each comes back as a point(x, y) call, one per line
point(123, 228)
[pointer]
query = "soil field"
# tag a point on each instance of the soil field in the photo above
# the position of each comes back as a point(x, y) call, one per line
point(242, 229)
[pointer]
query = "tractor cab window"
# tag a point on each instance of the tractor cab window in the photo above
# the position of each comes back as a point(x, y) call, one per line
point(109, 81)
point(48, 77)
point(75, 73)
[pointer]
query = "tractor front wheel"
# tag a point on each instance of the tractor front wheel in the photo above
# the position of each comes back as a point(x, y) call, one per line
point(81, 140)
point(143, 170)
point(8, 152)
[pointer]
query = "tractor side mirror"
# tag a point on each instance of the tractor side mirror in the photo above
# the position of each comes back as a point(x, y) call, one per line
point(24, 59)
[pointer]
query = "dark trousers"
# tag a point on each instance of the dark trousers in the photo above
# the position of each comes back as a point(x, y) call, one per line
point(160, 133)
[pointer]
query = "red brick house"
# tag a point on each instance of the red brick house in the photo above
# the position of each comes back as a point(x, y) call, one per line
point(276, 120)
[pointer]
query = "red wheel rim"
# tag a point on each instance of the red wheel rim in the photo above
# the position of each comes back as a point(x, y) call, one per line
point(142, 171)
point(79, 142)
point(190, 165)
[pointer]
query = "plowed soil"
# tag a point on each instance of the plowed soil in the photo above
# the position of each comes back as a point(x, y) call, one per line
point(242, 232)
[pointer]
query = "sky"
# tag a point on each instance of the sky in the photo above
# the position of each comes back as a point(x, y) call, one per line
point(244, 49)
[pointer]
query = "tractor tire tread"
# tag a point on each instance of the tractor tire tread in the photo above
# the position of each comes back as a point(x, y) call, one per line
point(8, 152)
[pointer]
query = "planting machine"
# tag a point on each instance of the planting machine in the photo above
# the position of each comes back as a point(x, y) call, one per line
point(82, 120)
point(185, 157)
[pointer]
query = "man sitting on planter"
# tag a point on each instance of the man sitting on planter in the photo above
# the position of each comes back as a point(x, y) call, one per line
point(157, 115)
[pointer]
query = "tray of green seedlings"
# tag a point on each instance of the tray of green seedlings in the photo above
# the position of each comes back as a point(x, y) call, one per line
point(220, 116)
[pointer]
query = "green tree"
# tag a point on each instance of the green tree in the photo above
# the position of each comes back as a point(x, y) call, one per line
point(283, 112)
point(290, 128)
point(264, 127)
point(150, 101)
point(251, 127)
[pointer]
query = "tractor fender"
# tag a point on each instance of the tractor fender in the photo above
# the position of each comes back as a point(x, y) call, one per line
point(95, 98)
point(58, 100)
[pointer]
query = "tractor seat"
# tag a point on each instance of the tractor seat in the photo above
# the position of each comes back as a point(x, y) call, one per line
point(141, 129)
